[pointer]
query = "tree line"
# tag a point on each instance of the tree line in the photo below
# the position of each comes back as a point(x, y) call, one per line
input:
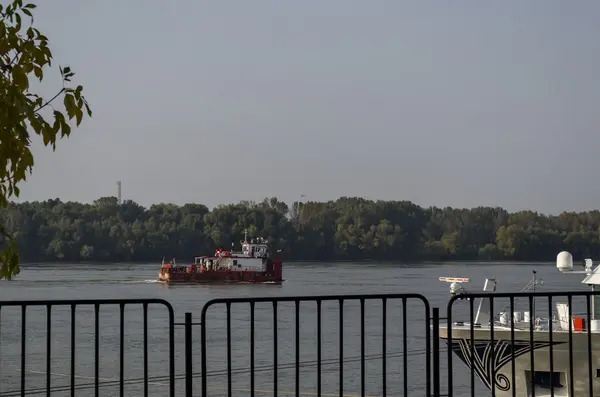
point(344, 229)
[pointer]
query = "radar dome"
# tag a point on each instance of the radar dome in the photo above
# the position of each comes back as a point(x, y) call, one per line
point(564, 261)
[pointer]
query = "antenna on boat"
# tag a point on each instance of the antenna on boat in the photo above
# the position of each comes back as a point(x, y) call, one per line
point(564, 264)
point(455, 288)
point(532, 283)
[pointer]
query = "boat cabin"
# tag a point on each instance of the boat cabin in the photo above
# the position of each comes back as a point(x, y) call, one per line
point(254, 256)
point(255, 248)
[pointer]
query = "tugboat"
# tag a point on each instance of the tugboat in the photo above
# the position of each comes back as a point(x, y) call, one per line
point(254, 264)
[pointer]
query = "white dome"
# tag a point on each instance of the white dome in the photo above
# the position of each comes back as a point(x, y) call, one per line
point(564, 261)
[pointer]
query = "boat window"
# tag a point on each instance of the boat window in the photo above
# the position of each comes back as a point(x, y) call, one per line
point(235, 262)
point(547, 379)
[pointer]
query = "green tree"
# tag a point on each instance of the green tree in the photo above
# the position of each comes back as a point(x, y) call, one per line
point(24, 56)
point(344, 229)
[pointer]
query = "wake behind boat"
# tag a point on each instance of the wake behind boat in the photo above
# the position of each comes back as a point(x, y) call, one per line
point(254, 264)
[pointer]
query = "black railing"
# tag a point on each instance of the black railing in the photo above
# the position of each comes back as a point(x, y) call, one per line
point(310, 350)
point(367, 345)
point(532, 356)
point(69, 320)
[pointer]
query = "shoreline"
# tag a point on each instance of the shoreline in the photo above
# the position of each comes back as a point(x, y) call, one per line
point(317, 261)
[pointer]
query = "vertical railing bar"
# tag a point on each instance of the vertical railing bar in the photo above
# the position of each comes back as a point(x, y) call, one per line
point(73, 307)
point(145, 308)
point(450, 347)
point(428, 346)
point(512, 343)
point(48, 349)
point(228, 305)
point(252, 349)
point(551, 347)
point(122, 349)
point(0, 342)
point(203, 347)
point(492, 348)
point(571, 377)
point(404, 347)
point(341, 305)
point(297, 343)
point(589, 339)
point(531, 344)
point(189, 358)
point(436, 351)
point(23, 346)
point(384, 347)
point(275, 348)
point(318, 347)
point(362, 347)
point(172, 350)
point(97, 349)
point(472, 344)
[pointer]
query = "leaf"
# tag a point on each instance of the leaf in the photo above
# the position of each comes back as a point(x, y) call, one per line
point(24, 55)
point(58, 118)
point(70, 106)
point(65, 128)
point(78, 115)
point(18, 24)
point(39, 73)
point(20, 78)
point(87, 108)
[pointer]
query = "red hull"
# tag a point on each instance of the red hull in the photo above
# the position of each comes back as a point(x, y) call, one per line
point(189, 276)
point(222, 277)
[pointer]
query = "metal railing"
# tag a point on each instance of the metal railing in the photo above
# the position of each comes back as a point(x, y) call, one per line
point(514, 357)
point(69, 324)
point(305, 345)
point(347, 340)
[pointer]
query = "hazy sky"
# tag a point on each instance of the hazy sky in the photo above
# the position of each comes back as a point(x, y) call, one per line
point(460, 103)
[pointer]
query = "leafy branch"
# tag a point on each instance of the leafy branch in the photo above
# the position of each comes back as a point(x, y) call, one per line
point(24, 54)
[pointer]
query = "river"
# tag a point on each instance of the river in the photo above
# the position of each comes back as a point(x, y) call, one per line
point(137, 281)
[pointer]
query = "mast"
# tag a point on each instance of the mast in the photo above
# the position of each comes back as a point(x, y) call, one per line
point(533, 300)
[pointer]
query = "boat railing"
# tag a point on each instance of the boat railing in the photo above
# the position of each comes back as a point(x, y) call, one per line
point(530, 287)
point(557, 321)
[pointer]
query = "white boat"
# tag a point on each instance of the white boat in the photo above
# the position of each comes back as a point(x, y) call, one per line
point(553, 356)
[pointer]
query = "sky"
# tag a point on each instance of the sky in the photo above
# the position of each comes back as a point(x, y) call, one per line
point(446, 103)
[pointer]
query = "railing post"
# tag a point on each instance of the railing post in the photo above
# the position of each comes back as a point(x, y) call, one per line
point(435, 323)
point(188, 355)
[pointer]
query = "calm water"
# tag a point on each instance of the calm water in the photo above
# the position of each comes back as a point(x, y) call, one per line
point(137, 281)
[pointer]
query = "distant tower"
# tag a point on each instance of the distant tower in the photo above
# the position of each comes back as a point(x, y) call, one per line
point(119, 192)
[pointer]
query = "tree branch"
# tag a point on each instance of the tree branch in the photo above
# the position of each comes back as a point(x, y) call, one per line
point(50, 101)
